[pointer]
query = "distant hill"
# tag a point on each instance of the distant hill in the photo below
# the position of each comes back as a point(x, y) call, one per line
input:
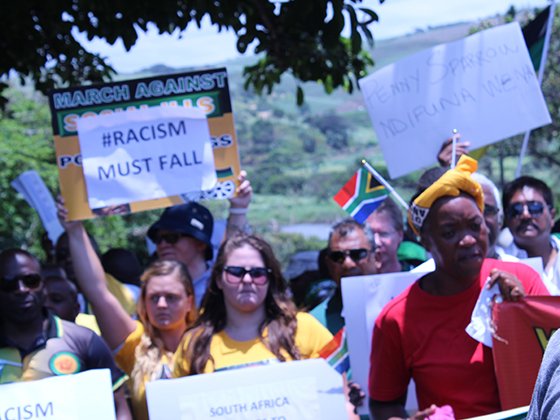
point(384, 52)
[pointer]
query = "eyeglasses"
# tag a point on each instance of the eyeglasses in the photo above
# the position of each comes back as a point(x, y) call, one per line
point(259, 275)
point(171, 237)
point(490, 210)
point(535, 209)
point(31, 281)
point(354, 254)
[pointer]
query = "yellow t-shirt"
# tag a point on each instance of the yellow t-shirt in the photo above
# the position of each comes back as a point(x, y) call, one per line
point(126, 358)
point(121, 292)
point(227, 353)
point(88, 321)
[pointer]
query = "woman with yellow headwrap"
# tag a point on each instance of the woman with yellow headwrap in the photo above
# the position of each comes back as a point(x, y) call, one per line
point(421, 333)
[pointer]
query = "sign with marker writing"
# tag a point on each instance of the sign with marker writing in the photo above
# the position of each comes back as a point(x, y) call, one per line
point(206, 90)
point(85, 396)
point(483, 85)
point(300, 390)
point(145, 154)
point(363, 298)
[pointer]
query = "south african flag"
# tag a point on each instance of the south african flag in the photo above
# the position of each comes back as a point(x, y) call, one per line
point(534, 33)
point(361, 195)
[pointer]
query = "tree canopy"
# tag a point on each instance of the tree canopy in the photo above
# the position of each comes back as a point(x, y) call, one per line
point(301, 37)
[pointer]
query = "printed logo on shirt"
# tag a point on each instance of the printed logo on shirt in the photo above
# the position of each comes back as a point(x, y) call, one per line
point(64, 363)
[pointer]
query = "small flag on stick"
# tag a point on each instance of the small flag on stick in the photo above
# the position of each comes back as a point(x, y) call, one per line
point(534, 34)
point(361, 195)
point(336, 352)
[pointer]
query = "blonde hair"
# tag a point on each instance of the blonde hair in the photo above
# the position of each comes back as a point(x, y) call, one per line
point(150, 350)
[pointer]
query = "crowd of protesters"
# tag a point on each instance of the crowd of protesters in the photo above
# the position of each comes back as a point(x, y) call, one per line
point(198, 308)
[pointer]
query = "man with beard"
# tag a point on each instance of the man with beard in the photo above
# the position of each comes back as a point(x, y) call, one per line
point(529, 215)
point(36, 344)
point(350, 252)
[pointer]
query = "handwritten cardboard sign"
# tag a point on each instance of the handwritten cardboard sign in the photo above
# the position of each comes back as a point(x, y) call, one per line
point(363, 298)
point(306, 389)
point(86, 396)
point(483, 85)
point(145, 154)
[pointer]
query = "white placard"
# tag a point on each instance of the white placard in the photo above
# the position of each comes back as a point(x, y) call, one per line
point(85, 396)
point(483, 85)
point(363, 298)
point(31, 186)
point(300, 390)
point(145, 154)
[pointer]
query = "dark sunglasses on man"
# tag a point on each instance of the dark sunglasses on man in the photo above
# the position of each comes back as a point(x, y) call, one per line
point(535, 209)
point(170, 237)
point(354, 254)
point(30, 281)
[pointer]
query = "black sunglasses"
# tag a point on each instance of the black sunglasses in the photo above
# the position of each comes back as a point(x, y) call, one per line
point(31, 281)
point(171, 237)
point(535, 209)
point(259, 275)
point(354, 254)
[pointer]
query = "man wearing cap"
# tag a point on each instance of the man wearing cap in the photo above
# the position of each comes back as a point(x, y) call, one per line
point(184, 233)
point(529, 215)
point(36, 344)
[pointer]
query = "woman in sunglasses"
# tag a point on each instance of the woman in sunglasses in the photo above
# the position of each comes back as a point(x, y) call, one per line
point(143, 348)
point(421, 334)
point(247, 316)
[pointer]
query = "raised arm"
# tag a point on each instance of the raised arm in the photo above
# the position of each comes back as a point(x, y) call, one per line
point(114, 322)
point(445, 154)
point(239, 206)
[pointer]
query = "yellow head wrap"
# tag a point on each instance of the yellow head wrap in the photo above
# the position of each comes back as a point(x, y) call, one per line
point(452, 183)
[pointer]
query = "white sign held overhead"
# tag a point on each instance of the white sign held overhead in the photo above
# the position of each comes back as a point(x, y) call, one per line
point(483, 85)
point(31, 186)
point(145, 154)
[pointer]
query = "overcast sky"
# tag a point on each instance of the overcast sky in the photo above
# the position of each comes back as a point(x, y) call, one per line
point(206, 46)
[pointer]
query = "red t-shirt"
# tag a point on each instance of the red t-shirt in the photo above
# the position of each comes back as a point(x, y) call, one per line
point(422, 336)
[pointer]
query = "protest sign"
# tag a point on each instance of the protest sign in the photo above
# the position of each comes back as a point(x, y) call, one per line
point(145, 154)
point(31, 186)
point(363, 298)
point(522, 331)
point(519, 413)
point(206, 90)
point(85, 396)
point(305, 389)
point(483, 85)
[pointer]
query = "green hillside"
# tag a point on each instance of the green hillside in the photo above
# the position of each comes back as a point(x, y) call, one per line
point(297, 158)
